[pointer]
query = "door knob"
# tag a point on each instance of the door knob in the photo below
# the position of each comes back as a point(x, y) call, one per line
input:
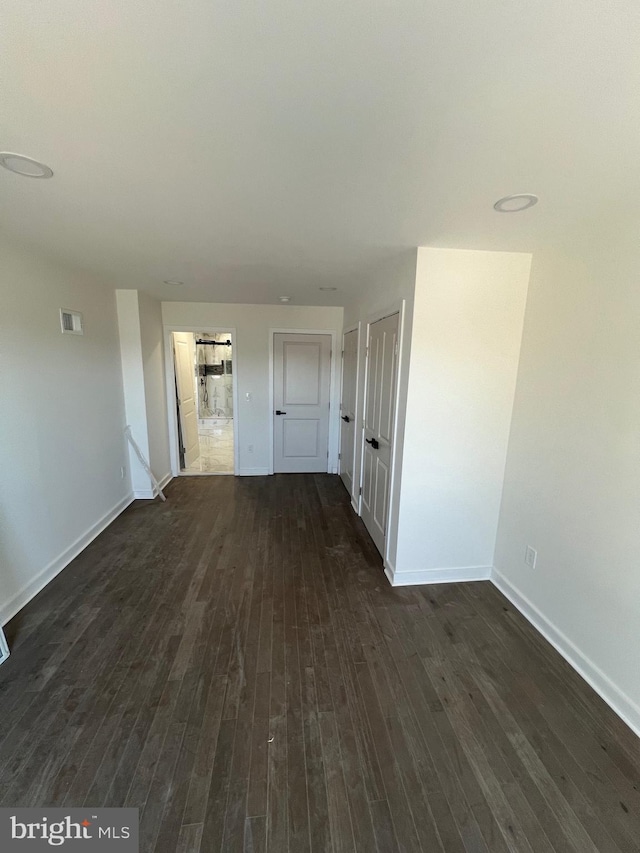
point(278, 412)
point(346, 418)
point(372, 442)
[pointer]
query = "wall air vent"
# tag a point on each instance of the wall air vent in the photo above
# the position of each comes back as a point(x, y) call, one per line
point(71, 322)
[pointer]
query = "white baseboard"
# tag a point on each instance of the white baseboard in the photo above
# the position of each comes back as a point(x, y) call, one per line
point(148, 494)
point(164, 481)
point(389, 572)
point(426, 576)
point(618, 701)
point(253, 472)
point(31, 589)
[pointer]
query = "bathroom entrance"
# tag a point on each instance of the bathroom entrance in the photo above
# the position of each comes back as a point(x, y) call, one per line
point(204, 401)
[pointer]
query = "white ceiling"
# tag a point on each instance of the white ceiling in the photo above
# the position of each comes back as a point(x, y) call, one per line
point(258, 149)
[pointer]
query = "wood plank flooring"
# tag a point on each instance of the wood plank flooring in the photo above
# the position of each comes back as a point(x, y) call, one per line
point(234, 664)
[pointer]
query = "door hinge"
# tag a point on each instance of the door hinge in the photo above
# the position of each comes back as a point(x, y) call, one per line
point(396, 348)
point(360, 492)
point(339, 455)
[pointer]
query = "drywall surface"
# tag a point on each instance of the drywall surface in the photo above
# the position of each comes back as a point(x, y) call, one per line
point(465, 343)
point(572, 483)
point(155, 388)
point(143, 378)
point(252, 324)
point(133, 385)
point(61, 419)
point(388, 288)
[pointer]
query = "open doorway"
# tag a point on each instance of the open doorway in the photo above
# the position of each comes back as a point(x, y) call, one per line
point(204, 397)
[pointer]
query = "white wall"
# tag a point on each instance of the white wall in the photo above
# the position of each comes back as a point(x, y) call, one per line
point(133, 385)
point(467, 326)
point(251, 362)
point(155, 387)
point(143, 376)
point(61, 421)
point(572, 485)
point(387, 288)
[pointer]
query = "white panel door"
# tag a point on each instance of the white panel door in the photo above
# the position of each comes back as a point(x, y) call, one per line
point(184, 348)
point(382, 360)
point(301, 382)
point(348, 407)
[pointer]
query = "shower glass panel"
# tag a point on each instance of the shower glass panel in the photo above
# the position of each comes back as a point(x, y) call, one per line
point(214, 364)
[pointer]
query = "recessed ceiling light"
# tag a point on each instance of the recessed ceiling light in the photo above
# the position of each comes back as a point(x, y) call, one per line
point(284, 298)
point(515, 203)
point(174, 283)
point(327, 288)
point(22, 165)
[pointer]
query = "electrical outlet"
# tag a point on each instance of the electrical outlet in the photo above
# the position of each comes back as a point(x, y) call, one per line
point(123, 472)
point(530, 557)
point(250, 448)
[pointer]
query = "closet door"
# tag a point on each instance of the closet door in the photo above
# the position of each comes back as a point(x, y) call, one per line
point(348, 408)
point(301, 384)
point(382, 362)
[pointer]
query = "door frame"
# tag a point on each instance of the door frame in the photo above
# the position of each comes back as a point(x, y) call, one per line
point(356, 481)
point(334, 391)
point(395, 307)
point(170, 378)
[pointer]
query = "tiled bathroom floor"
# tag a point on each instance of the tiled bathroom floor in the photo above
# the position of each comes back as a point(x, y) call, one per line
point(216, 449)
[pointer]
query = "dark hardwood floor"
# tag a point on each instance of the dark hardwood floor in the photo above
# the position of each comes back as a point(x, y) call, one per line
point(234, 664)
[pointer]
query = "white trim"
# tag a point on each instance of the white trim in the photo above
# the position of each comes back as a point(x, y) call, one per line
point(33, 587)
point(168, 477)
point(253, 472)
point(144, 495)
point(458, 574)
point(4, 647)
point(148, 494)
point(389, 570)
point(334, 400)
point(623, 705)
point(172, 415)
point(355, 493)
point(206, 474)
point(401, 366)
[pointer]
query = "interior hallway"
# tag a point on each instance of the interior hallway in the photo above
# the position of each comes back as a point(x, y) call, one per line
point(234, 663)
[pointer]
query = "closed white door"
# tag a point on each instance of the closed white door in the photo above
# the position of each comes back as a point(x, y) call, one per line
point(184, 349)
point(382, 359)
point(301, 382)
point(348, 407)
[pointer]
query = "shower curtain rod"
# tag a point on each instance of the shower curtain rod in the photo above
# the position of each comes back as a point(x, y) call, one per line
point(226, 343)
